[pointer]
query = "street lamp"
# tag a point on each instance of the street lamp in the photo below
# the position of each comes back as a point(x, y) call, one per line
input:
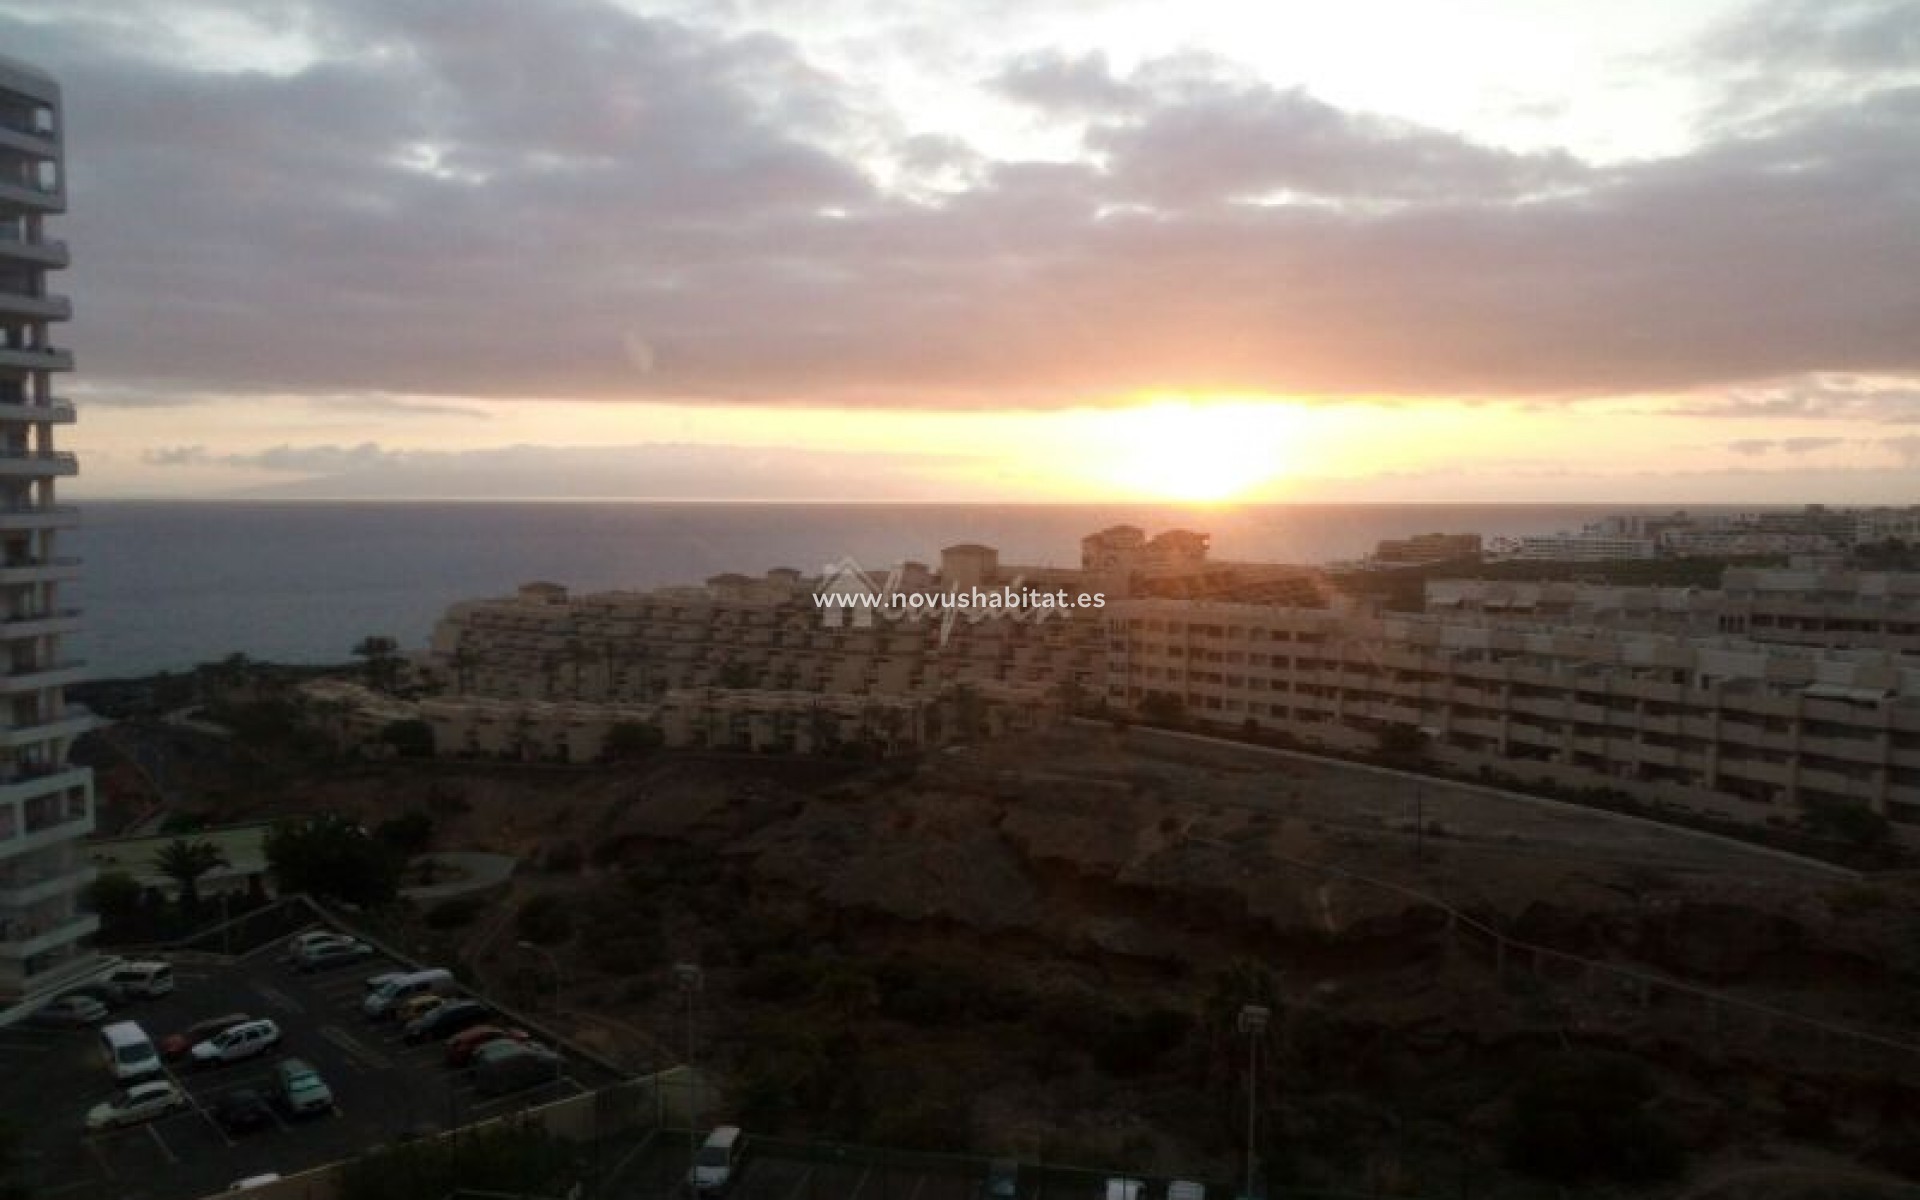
point(553, 964)
point(690, 979)
point(1253, 1023)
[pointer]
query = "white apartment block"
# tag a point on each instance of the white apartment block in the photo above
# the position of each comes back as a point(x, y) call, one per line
point(1711, 723)
point(1780, 690)
point(1586, 546)
point(46, 804)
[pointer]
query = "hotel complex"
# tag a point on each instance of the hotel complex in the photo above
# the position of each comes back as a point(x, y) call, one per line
point(1779, 692)
point(46, 804)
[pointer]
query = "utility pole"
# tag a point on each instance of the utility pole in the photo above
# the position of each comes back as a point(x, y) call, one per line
point(1253, 1023)
point(690, 979)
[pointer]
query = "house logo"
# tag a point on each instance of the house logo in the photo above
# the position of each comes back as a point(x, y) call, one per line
point(847, 596)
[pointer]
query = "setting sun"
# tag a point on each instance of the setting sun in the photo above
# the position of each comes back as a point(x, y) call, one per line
point(1177, 450)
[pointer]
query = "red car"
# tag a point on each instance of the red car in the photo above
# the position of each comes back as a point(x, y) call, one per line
point(176, 1045)
point(460, 1046)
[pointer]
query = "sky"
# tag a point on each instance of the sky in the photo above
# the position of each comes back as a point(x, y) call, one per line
point(1487, 250)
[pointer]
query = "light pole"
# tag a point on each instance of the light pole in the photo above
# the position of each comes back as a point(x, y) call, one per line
point(1253, 1023)
point(690, 978)
point(553, 964)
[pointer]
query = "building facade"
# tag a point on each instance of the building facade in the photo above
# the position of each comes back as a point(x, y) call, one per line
point(46, 803)
point(1712, 723)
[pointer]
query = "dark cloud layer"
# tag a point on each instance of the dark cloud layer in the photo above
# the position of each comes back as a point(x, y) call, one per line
point(492, 198)
point(653, 471)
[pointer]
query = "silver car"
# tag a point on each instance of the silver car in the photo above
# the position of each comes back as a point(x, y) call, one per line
point(141, 1102)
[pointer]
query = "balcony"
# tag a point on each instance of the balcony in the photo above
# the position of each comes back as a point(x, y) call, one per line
point(37, 308)
point(38, 142)
point(38, 516)
point(38, 462)
point(25, 888)
point(24, 781)
point(39, 624)
point(36, 358)
point(47, 252)
point(37, 570)
point(50, 833)
point(19, 193)
point(71, 722)
point(32, 941)
point(59, 412)
point(34, 678)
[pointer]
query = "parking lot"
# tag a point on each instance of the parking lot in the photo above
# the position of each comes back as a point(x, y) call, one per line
point(384, 1090)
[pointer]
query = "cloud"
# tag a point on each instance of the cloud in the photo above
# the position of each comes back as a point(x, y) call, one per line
point(651, 471)
point(1824, 398)
point(1063, 84)
point(1753, 447)
point(1809, 445)
point(1218, 138)
point(409, 205)
point(1849, 35)
point(399, 407)
point(1906, 449)
point(302, 460)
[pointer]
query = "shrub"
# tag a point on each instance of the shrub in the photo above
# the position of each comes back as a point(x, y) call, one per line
point(562, 858)
point(454, 912)
point(406, 835)
point(1584, 1115)
point(544, 920)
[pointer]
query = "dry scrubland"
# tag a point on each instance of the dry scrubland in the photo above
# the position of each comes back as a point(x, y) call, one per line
point(983, 951)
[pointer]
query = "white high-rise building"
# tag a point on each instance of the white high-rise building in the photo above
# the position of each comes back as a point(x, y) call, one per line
point(46, 804)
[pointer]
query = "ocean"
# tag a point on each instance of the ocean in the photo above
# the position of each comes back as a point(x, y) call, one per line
point(171, 584)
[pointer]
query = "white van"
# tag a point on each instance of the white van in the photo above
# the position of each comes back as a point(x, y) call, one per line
point(380, 1002)
point(713, 1166)
point(141, 980)
point(130, 1053)
point(253, 1181)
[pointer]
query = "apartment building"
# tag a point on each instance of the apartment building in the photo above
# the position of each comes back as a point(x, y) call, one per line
point(752, 662)
point(1427, 548)
point(1834, 609)
point(46, 804)
point(1719, 724)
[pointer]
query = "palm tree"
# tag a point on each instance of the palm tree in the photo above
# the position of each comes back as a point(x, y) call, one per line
point(463, 661)
point(383, 660)
point(185, 862)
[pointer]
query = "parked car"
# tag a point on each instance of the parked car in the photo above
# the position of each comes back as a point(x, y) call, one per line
point(461, 1046)
point(300, 943)
point(141, 1102)
point(140, 980)
point(178, 1045)
point(100, 992)
point(1002, 1181)
point(376, 982)
point(252, 1182)
point(712, 1167)
point(446, 1020)
point(233, 1045)
point(70, 1012)
point(505, 1067)
point(380, 1002)
point(242, 1110)
point(323, 956)
point(128, 1051)
point(1186, 1189)
point(407, 1011)
point(301, 1088)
